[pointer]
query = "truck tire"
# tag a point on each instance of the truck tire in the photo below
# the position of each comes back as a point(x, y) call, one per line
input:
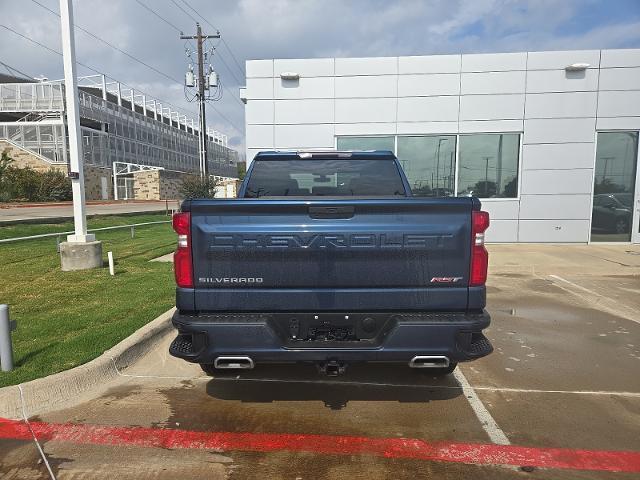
point(438, 372)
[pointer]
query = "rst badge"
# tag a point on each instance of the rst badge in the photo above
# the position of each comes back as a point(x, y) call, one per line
point(446, 279)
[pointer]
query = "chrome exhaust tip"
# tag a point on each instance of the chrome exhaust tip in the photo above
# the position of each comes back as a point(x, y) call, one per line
point(233, 363)
point(429, 361)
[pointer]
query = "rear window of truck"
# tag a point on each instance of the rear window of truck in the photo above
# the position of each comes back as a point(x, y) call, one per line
point(335, 178)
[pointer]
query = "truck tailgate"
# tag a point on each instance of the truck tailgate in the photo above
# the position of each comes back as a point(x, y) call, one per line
point(334, 254)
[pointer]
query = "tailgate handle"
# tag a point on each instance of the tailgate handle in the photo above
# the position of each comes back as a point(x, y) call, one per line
point(332, 212)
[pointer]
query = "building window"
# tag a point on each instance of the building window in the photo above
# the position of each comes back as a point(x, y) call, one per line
point(366, 143)
point(614, 186)
point(489, 165)
point(429, 163)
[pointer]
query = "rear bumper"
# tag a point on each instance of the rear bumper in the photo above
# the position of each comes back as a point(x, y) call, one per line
point(265, 338)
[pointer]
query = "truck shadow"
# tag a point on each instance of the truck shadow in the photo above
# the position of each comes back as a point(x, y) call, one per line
point(289, 383)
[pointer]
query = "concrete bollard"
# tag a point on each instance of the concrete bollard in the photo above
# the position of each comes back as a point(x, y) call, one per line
point(6, 348)
point(133, 232)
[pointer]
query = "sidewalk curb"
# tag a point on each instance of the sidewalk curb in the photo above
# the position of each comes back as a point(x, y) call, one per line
point(44, 394)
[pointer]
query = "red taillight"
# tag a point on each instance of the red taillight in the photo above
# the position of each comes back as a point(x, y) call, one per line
point(479, 254)
point(182, 265)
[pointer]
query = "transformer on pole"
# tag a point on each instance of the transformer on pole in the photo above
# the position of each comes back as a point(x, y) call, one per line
point(202, 84)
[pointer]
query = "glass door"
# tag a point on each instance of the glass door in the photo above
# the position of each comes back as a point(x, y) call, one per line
point(614, 216)
point(635, 237)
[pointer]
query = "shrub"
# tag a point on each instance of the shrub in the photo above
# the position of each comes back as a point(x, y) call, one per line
point(30, 185)
point(54, 186)
point(197, 187)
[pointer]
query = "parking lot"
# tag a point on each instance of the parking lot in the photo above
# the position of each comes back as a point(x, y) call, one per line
point(558, 398)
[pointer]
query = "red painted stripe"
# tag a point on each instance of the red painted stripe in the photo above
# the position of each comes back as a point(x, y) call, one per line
point(469, 453)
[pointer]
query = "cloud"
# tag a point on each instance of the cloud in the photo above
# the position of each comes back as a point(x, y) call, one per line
point(302, 29)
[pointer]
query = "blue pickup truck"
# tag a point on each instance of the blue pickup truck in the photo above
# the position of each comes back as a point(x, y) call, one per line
point(327, 258)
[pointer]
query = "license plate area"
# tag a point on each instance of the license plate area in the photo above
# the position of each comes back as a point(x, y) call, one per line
point(300, 330)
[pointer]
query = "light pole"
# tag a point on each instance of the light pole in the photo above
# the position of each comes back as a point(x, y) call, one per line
point(80, 251)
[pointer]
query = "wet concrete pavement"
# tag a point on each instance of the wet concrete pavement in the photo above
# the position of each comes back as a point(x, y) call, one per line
point(565, 374)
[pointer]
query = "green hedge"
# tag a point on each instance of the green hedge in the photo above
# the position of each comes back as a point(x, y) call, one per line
point(27, 184)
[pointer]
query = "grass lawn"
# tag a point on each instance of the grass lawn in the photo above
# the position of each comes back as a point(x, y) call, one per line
point(68, 318)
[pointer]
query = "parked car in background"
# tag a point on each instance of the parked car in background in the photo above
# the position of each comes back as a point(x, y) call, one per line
point(612, 212)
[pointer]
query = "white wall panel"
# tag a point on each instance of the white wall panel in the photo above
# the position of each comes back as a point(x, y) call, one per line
point(314, 87)
point(559, 130)
point(558, 155)
point(543, 81)
point(304, 111)
point(502, 231)
point(621, 123)
point(259, 111)
point(620, 79)
point(367, 66)
point(494, 62)
point(426, 109)
point(259, 68)
point(550, 231)
point(428, 85)
point(417, 128)
point(556, 181)
point(429, 64)
point(559, 60)
point(544, 207)
point(304, 136)
point(491, 107)
point(501, 209)
point(492, 82)
point(362, 110)
point(490, 126)
point(626, 57)
point(259, 88)
point(365, 128)
point(561, 105)
point(366, 86)
point(306, 67)
point(619, 104)
point(260, 136)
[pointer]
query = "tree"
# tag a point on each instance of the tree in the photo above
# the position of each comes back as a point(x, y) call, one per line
point(197, 187)
point(5, 162)
point(242, 170)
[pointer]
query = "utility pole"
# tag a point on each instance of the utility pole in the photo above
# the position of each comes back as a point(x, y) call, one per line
point(80, 251)
point(200, 38)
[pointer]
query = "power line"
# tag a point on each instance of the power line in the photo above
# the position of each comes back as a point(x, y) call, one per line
point(224, 42)
point(158, 15)
point(116, 48)
point(184, 11)
point(13, 69)
point(221, 57)
point(84, 65)
point(151, 67)
point(48, 48)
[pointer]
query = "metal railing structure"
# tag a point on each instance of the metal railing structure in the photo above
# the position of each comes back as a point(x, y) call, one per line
point(59, 235)
point(117, 127)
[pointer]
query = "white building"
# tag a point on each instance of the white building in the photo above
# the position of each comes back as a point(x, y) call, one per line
point(547, 140)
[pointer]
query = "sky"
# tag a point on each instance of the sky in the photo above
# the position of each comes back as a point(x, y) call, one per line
point(257, 29)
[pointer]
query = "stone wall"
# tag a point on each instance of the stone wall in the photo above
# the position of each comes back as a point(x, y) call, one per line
point(94, 178)
point(157, 185)
point(93, 174)
point(23, 159)
point(170, 183)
